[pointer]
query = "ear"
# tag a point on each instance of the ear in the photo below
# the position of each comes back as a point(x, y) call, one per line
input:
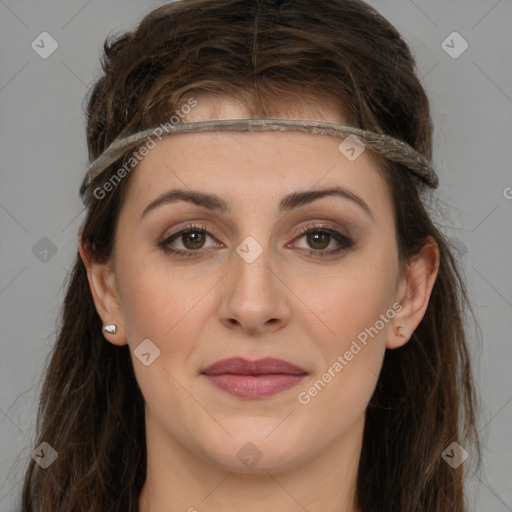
point(101, 279)
point(414, 291)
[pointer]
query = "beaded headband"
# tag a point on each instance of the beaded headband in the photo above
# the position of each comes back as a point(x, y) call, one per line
point(383, 145)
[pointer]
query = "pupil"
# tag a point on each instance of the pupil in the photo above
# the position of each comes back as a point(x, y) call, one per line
point(195, 239)
point(315, 238)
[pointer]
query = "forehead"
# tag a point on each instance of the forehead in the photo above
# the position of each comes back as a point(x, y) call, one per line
point(306, 105)
point(254, 167)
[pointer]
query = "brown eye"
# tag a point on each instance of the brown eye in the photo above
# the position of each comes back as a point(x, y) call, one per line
point(318, 239)
point(193, 239)
point(188, 242)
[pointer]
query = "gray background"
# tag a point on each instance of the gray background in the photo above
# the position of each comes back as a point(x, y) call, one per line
point(43, 157)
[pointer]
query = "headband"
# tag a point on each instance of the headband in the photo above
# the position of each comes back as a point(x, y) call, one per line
point(383, 145)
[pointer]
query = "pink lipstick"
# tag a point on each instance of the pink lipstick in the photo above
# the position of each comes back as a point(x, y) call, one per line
point(254, 379)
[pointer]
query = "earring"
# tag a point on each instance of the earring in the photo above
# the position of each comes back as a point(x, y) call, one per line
point(110, 329)
point(401, 331)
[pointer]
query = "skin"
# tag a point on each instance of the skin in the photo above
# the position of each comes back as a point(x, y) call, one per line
point(285, 304)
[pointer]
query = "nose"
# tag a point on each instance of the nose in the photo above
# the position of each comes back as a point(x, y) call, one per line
point(255, 298)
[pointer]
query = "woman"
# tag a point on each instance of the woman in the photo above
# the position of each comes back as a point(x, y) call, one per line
point(261, 315)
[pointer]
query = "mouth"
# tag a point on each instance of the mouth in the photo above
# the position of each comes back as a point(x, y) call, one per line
point(254, 379)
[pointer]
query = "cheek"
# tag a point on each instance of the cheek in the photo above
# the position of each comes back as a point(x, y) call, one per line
point(156, 301)
point(357, 314)
point(337, 394)
point(170, 305)
point(170, 308)
point(356, 307)
point(354, 298)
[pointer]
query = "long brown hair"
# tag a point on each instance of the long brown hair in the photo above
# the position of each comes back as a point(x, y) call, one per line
point(266, 52)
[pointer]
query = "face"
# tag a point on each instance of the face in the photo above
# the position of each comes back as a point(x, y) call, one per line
point(278, 246)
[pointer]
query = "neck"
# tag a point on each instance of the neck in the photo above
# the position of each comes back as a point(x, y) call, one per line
point(178, 480)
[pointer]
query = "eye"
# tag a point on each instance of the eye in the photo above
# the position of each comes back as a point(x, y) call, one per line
point(191, 239)
point(320, 238)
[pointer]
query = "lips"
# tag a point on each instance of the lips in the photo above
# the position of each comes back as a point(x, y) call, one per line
point(254, 379)
point(240, 366)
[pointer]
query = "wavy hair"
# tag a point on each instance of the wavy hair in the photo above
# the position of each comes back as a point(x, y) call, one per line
point(268, 53)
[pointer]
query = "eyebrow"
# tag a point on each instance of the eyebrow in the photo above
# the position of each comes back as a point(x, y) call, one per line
point(287, 203)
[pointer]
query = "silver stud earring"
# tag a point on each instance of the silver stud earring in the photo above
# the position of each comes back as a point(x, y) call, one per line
point(110, 329)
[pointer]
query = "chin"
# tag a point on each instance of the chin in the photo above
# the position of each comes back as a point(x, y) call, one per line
point(257, 448)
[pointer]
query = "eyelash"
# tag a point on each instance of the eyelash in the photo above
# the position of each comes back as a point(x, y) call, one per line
point(345, 242)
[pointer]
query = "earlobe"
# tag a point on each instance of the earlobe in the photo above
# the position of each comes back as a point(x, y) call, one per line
point(414, 293)
point(101, 279)
point(401, 332)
